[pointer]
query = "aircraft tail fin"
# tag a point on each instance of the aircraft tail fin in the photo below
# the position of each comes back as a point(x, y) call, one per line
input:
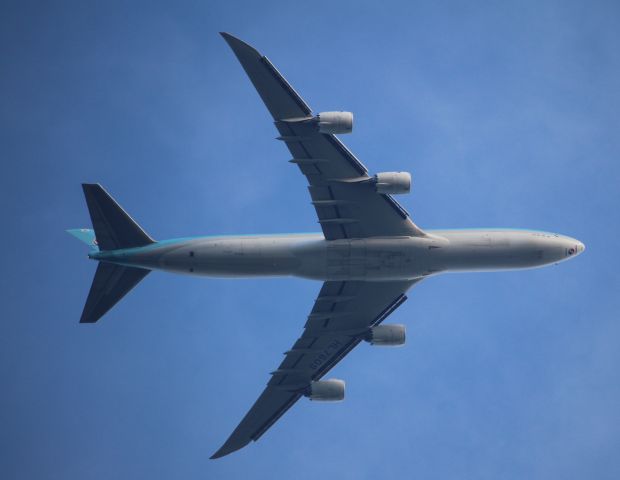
point(111, 283)
point(85, 235)
point(114, 228)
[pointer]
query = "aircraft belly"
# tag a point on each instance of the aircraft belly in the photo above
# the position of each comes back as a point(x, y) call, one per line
point(372, 259)
point(366, 259)
point(348, 259)
point(231, 257)
point(247, 257)
point(495, 250)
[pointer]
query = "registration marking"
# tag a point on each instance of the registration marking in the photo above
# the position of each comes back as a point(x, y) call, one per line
point(325, 354)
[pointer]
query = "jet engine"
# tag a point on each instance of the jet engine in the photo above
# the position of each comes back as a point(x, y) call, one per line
point(335, 122)
point(392, 182)
point(331, 390)
point(387, 335)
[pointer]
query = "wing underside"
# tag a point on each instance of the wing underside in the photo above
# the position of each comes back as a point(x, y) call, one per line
point(341, 317)
point(346, 205)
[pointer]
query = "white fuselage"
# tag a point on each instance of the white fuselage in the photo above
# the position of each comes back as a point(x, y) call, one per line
point(370, 259)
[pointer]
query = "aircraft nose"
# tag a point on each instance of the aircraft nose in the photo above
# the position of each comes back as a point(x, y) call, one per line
point(555, 248)
point(574, 247)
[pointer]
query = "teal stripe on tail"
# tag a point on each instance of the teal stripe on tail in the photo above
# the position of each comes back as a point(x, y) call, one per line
point(87, 236)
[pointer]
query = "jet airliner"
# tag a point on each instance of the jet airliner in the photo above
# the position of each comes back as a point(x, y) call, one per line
point(368, 255)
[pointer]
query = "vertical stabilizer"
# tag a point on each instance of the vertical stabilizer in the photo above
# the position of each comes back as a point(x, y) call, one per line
point(85, 235)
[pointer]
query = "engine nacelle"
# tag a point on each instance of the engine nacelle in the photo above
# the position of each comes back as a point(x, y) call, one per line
point(335, 122)
point(392, 182)
point(387, 335)
point(331, 390)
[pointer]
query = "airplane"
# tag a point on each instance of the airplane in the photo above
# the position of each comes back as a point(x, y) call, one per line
point(368, 255)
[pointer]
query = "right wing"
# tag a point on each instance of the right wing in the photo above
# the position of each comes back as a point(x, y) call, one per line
point(341, 318)
point(346, 202)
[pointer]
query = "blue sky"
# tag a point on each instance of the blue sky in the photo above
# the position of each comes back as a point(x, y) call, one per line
point(507, 115)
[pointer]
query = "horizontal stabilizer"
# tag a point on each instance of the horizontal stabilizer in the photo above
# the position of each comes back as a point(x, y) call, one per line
point(114, 228)
point(111, 283)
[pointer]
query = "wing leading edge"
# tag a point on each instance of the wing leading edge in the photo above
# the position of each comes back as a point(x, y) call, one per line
point(340, 319)
point(345, 209)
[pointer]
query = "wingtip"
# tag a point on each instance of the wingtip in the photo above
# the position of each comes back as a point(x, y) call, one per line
point(238, 46)
point(228, 37)
point(222, 452)
point(88, 316)
point(232, 445)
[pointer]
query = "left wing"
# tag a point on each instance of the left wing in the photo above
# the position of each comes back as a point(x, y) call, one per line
point(341, 318)
point(341, 190)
